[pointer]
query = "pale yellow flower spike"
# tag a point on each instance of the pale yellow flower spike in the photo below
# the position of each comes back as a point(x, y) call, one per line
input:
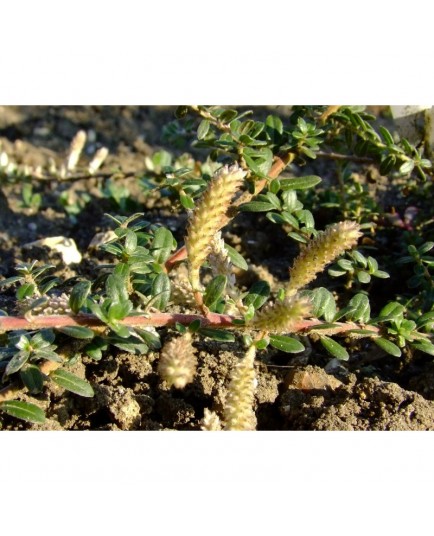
point(321, 251)
point(282, 316)
point(238, 411)
point(177, 365)
point(208, 217)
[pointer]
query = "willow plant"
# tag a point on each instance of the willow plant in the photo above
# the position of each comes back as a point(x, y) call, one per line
point(125, 305)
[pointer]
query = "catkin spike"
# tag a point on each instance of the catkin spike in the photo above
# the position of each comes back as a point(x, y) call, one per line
point(98, 160)
point(321, 251)
point(282, 316)
point(211, 421)
point(221, 265)
point(208, 217)
point(75, 150)
point(238, 411)
point(177, 365)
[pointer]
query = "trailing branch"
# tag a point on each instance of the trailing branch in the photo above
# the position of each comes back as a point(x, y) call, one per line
point(211, 320)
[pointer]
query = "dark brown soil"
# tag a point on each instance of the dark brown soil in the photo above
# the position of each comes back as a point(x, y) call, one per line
point(374, 392)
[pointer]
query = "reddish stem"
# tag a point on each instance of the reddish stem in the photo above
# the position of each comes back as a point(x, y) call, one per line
point(212, 320)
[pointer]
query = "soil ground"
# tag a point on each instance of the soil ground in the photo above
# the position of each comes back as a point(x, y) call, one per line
point(308, 392)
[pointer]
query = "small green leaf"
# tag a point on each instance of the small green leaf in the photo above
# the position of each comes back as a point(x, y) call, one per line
point(387, 164)
point(363, 277)
point(256, 206)
point(72, 383)
point(391, 311)
point(424, 346)
point(274, 186)
point(258, 294)
point(388, 346)
point(387, 136)
point(78, 295)
point(217, 334)
point(194, 326)
point(286, 344)
point(118, 311)
point(77, 332)
point(274, 200)
point(324, 304)
point(407, 167)
point(203, 129)
point(334, 348)
point(26, 291)
point(151, 339)
point(426, 319)
point(380, 274)
point(215, 290)
point(95, 348)
point(162, 244)
point(258, 160)
point(236, 259)
point(49, 355)
point(130, 241)
point(300, 183)
point(116, 287)
point(186, 201)
point(17, 362)
point(274, 124)
point(10, 280)
point(424, 248)
point(361, 308)
point(32, 378)
point(360, 258)
point(261, 344)
point(23, 410)
point(161, 291)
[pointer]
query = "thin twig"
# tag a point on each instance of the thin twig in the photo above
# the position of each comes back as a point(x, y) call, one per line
point(338, 156)
point(85, 176)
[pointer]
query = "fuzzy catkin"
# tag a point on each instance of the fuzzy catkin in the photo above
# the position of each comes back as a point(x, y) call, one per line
point(177, 365)
point(211, 421)
point(208, 217)
point(282, 316)
point(321, 251)
point(238, 410)
point(77, 145)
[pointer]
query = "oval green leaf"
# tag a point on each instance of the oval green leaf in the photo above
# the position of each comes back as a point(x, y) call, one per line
point(160, 291)
point(78, 295)
point(217, 334)
point(258, 294)
point(300, 183)
point(236, 259)
point(286, 344)
point(215, 290)
point(32, 378)
point(388, 346)
point(77, 332)
point(23, 410)
point(72, 383)
point(334, 348)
